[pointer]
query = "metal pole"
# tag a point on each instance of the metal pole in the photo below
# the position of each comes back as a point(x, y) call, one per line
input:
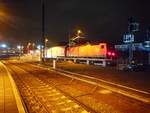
point(43, 32)
point(130, 45)
point(148, 38)
point(69, 44)
point(54, 64)
point(45, 48)
point(130, 53)
point(78, 35)
point(149, 58)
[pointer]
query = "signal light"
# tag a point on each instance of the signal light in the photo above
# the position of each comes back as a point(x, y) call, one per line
point(112, 54)
point(109, 53)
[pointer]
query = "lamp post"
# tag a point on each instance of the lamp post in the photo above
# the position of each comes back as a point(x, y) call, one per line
point(133, 27)
point(79, 32)
point(19, 50)
point(28, 47)
point(42, 48)
point(148, 43)
point(78, 35)
point(46, 41)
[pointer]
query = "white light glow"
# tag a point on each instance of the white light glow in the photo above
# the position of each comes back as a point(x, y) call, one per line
point(18, 47)
point(3, 45)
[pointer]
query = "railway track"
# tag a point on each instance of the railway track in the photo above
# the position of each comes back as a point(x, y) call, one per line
point(133, 93)
point(45, 78)
point(139, 95)
point(42, 97)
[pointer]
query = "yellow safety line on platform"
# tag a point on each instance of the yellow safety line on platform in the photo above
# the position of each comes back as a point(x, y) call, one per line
point(15, 91)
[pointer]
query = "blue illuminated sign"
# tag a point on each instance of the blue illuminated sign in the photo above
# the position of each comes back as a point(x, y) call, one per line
point(128, 38)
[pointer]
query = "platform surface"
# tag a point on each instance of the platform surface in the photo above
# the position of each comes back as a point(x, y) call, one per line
point(9, 98)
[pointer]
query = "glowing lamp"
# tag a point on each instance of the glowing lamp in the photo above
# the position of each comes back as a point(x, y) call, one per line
point(3, 45)
point(113, 54)
point(109, 53)
point(18, 47)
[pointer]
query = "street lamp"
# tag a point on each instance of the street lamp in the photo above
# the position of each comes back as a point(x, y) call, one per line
point(78, 36)
point(19, 47)
point(28, 47)
point(3, 45)
point(78, 32)
point(19, 50)
point(33, 46)
point(46, 41)
point(75, 40)
point(38, 47)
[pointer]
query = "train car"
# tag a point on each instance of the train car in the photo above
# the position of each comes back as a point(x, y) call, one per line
point(88, 50)
point(100, 50)
point(54, 52)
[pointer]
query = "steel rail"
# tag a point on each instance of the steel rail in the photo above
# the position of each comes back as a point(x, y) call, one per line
point(64, 93)
point(136, 94)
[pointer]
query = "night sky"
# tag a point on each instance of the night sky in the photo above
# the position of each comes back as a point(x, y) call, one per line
point(104, 20)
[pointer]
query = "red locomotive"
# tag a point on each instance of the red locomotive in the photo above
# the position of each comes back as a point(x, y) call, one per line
point(99, 50)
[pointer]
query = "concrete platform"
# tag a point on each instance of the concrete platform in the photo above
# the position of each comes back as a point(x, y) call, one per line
point(10, 101)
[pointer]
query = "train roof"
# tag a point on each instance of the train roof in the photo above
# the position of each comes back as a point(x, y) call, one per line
point(83, 42)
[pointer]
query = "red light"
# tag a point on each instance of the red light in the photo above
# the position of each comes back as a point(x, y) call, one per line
point(113, 54)
point(109, 53)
